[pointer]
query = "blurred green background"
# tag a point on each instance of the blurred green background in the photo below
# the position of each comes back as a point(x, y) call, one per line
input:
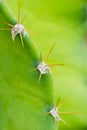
point(62, 22)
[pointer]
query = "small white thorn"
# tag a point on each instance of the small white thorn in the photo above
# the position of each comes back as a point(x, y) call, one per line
point(17, 29)
point(43, 68)
point(54, 113)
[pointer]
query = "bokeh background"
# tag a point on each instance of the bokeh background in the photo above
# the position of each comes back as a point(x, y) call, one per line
point(63, 22)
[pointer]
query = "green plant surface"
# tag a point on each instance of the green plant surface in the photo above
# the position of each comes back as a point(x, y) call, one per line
point(63, 22)
point(24, 100)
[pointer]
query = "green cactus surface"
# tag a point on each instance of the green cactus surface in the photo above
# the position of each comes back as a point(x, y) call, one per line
point(24, 100)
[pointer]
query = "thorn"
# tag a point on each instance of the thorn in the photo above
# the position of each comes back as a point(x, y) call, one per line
point(40, 76)
point(23, 19)
point(55, 65)
point(49, 52)
point(8, 24)
point(41, 58)
point(64, 122)
point(21, 39)
point(33, 69)
point(58, 100)
point(19, 13)
point(70, 113)
point(54, 121)
point(29, 31)
point(13, 38)
point(47, 113)
point(62, 103)
point(5, 29)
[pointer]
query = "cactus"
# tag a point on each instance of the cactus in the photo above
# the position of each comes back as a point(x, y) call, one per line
point(24, 101)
